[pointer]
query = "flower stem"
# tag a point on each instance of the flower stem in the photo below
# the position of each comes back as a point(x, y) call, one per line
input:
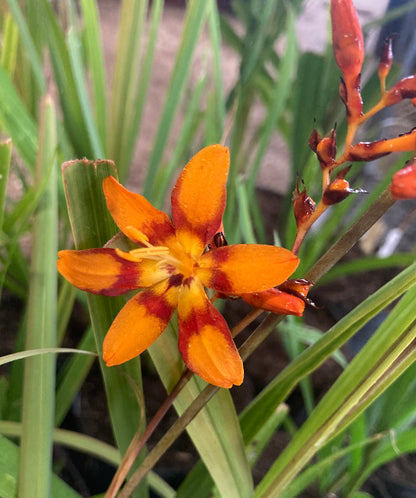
point(138, 441)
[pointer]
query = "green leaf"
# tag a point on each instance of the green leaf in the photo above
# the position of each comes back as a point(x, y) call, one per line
point(95, 60)
point(388, 353)
point(92, 226)
point(215, 431)
point(310, 359)
point(9, 468)
point(5, 155)
point(17, 122)
point(195, 16)
point(9, 45)
point(39, 378)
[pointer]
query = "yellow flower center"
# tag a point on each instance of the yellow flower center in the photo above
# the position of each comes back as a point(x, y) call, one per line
point(175, 255)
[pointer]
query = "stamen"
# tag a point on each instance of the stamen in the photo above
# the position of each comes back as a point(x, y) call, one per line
point(137, 255)
point(139, 236)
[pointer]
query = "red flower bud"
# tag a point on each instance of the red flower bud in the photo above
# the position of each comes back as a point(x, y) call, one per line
point(339, 189)
point(326, 150)
point(386, 59)
point(403, 184)
point(276, 301)
point(404, 89)
point(368, 151)
point(303, 205)
point(348, 45)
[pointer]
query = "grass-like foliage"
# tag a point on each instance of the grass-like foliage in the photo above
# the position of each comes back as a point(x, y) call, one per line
point(65, 129)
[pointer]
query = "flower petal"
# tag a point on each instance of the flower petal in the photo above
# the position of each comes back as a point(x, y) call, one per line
point(133, 213)
point(103, 271)
point(205, 341)
point(243, 268)
point(198, 198)
point(275, 301)
point(140, 322)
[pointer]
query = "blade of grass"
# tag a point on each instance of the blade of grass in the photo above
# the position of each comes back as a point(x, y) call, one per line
point(188, 130)
point(16, 121)
point(5, 156)
point(194, 19)
point(136, 98)
point(81, 89)
point(92, 226)
point(9, 471)
point(130, 32)
point(9, 44)
point(72, 375)
point(218, 97)
point(381, 361)
point(33, 56)
point(95, 61)
point(215, 431)
point(65, 82)
point(39, 377)
point(278, 98)
point(278, 389)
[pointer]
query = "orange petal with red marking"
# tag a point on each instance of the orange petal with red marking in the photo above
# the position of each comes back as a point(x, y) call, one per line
point(198, 198)
point(103, 271)
point(276, 301)
point(133, 213)
point(139, 323)
point(244, 268)
point(205, 341)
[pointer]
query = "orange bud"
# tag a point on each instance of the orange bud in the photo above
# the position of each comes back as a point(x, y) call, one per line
point(339, 189)
point(326, 150)
point(404, 89)
point(276, 301)
point(347, 38)
point(348, 45)
point(297, 286)
point(303, 205)
point(368, 151)
point(403, 184)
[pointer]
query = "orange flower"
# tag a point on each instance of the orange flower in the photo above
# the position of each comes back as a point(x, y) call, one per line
point(173, 267)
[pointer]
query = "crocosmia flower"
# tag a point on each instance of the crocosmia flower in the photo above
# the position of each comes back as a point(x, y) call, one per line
point(172, 268)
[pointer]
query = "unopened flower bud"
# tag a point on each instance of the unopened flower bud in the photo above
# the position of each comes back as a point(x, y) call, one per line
point(403, 184)
point(276, 301)
point(386, 59)
point(368, 151)
point(404, 89)
point(339, 189)
point(348, 45)
point(303, 205)
point(326, 150)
